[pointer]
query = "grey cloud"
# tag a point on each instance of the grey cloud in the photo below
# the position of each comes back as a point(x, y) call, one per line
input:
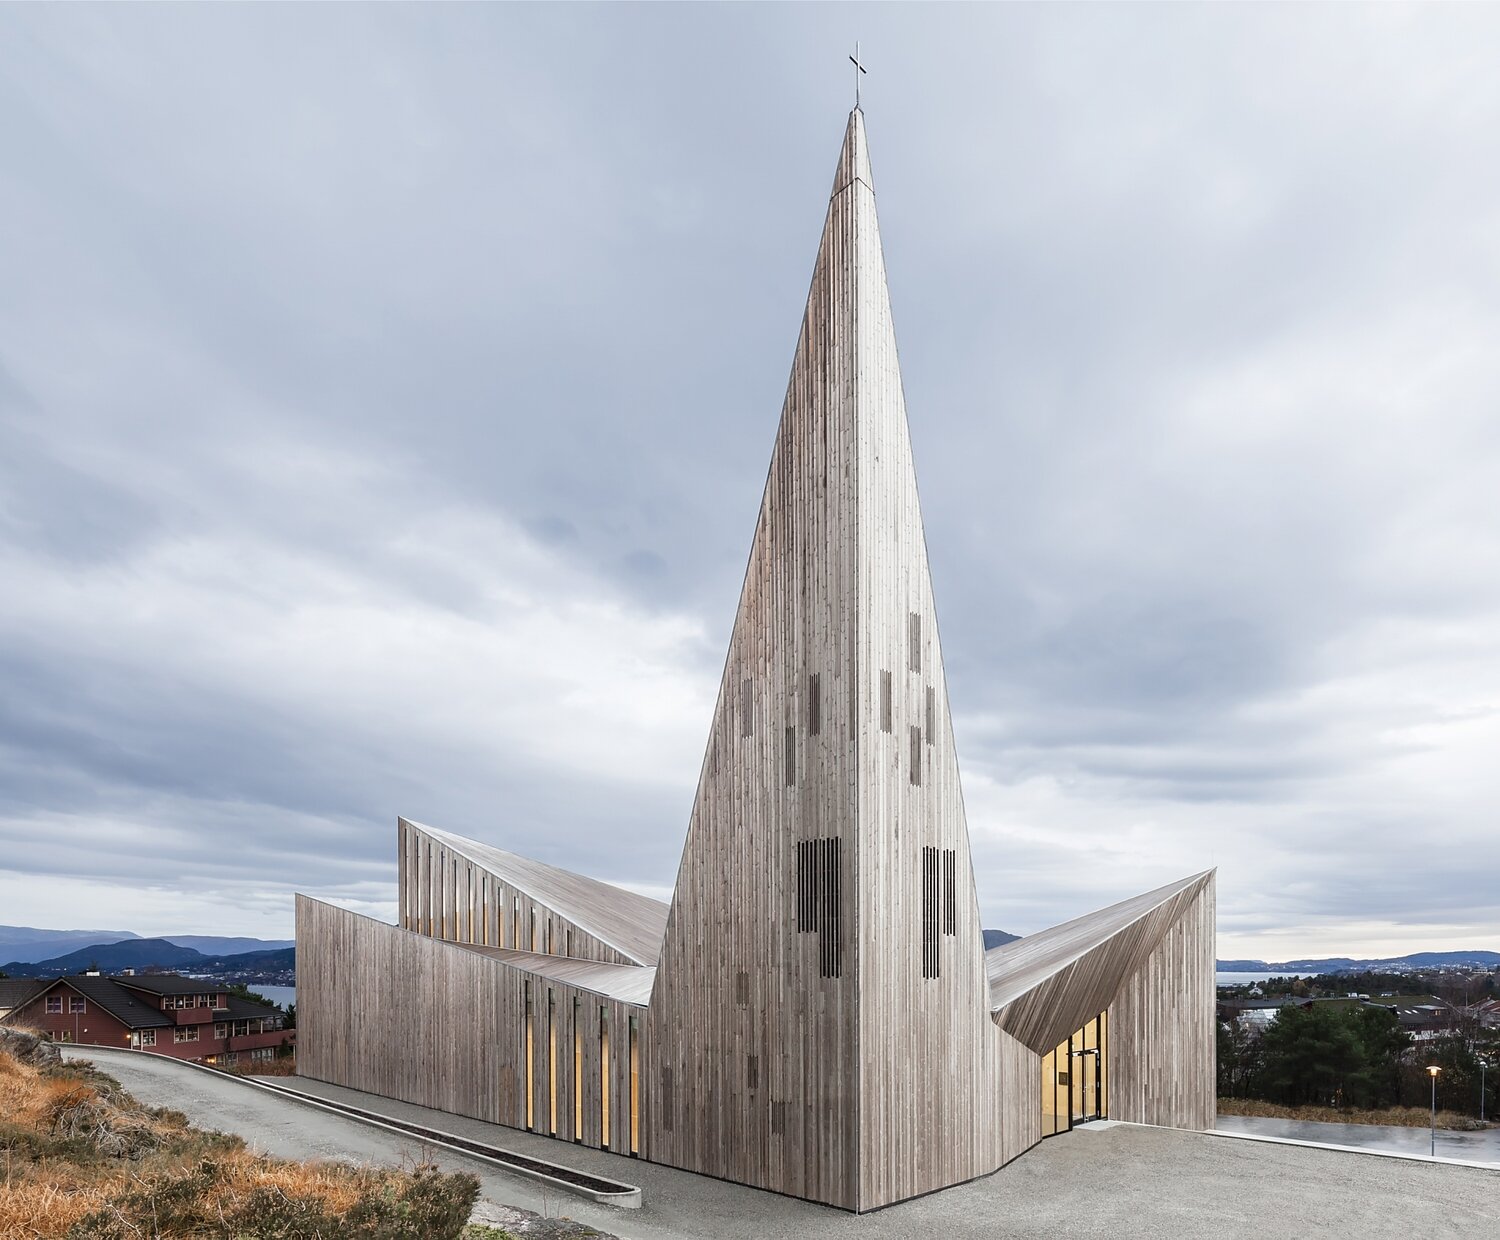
point(358, 366)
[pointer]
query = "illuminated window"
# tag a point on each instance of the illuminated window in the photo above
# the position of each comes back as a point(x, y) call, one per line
point(604, 1076)
point(635, 1087)
point(530, 1079)
point(577, 1071)
point(552, 1061)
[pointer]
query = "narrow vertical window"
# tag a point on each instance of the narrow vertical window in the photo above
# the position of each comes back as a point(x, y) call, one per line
point(635, 1087)
point(950, 891)
point(747, 707)
point(604, 1076)
point(666, 1100)
point(885, 701)
point(914, 654)
point(752, 1072)
point(551, 1063)
point(814, 705)
point(577, 1070)
point(931, 712)
point(916, 756)
point(742, 989)
point(530, 1078)
point(790, 756)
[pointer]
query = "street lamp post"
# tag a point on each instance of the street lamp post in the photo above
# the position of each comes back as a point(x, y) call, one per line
point(1433, 1072)
point(1482, 1066)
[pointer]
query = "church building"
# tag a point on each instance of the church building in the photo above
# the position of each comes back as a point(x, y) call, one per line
point(814, 1013)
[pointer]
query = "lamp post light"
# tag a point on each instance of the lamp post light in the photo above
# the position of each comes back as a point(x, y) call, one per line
point(1483, 1064)
point(1433, 1072)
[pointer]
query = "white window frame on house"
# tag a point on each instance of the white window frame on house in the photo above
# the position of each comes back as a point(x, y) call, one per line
point(61, 1035)
point(221, 1031)
point(54, 1005)
point(147, 1037)
point(77, 1004)
point(185, 1033)
point(263, 1054)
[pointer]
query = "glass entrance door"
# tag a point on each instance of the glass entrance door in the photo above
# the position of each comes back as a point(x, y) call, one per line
point(1085, 1101)
point(1073, 1078)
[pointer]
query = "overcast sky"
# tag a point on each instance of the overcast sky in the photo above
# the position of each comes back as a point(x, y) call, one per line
point(386, 395)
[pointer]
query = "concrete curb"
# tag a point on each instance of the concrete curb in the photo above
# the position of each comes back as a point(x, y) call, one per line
point(627, 1197)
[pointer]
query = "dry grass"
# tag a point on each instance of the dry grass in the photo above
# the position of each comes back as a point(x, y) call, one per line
point(83, 1160)
point(1395, 1117)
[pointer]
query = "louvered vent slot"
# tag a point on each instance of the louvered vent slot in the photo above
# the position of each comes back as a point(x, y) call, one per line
point(819, 898)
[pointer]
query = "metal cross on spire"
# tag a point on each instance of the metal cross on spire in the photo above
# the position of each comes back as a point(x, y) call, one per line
point(859, 68)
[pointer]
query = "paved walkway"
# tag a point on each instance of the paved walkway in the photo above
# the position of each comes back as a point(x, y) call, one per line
point(1475, 1147)
point(1119, 1182)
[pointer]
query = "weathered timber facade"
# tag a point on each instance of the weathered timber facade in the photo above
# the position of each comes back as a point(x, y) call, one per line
point(814, 1013)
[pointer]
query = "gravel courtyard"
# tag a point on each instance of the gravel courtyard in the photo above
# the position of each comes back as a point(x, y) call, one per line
point(1119, 1182)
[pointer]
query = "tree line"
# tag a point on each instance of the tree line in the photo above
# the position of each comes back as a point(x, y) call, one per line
point(1341, 1056)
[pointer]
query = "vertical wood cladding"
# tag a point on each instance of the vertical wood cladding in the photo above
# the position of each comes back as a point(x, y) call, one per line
point(366, 997)
point(481, 908)
point(1162, 1051)
point(821, 1020)
point(868, 1080)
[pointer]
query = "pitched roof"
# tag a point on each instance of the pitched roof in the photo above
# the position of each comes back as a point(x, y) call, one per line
point(1044, 986)
point(131, 1010)
point(15, 991)
point(630, 923)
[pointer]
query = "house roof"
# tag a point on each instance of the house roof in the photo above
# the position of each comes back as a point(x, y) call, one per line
point(14, 991)
point(632, 924)
point(131, 1010)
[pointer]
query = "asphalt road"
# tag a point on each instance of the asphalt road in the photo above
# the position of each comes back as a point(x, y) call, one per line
point(1119, 1182)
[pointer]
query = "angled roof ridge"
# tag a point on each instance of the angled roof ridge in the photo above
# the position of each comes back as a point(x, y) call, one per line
point(1107, 921)
point(641, 918)
point(1157, 895)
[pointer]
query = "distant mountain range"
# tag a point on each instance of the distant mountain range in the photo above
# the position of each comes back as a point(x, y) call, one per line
point(35, 952)
point(1344, 964)
point(994, 938)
